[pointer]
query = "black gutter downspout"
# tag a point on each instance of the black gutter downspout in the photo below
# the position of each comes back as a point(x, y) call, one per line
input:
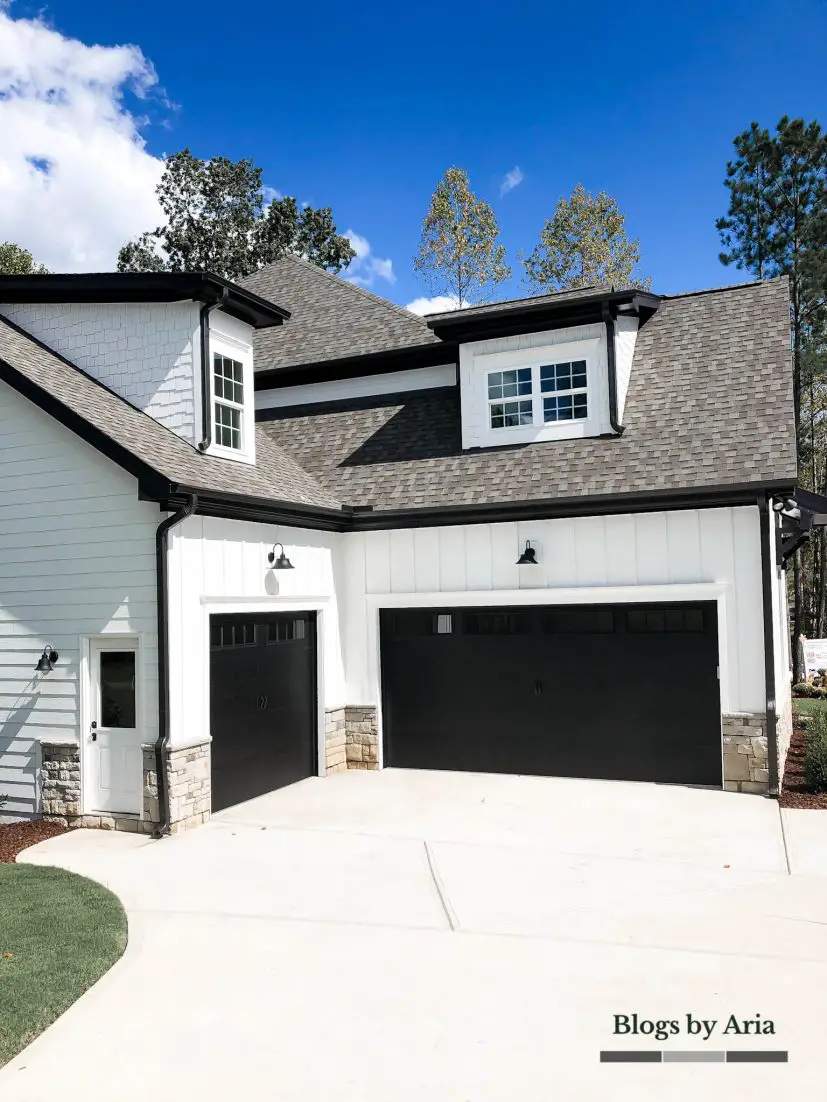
point(767, 571)
point(609, 320)
point(161, 547)
point(206, 380)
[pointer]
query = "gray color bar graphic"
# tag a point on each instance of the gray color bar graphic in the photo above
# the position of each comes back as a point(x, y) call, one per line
point(626, 1056)
point(694, 1056)
point(757, 1056)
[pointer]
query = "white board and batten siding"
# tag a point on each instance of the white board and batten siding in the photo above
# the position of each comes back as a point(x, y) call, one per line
point(710, 554)
point(76, 561)
point(220, 566)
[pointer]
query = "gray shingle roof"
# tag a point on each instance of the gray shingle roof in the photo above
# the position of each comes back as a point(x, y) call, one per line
point(330, 318)
point(709, 403)
point(276, 476)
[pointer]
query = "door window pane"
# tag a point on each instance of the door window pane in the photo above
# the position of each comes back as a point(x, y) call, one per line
point(117, 687)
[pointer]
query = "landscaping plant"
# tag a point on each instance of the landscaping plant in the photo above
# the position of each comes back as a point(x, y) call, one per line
point(815, 760)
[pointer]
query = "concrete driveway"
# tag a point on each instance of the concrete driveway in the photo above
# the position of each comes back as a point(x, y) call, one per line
point(447, 937)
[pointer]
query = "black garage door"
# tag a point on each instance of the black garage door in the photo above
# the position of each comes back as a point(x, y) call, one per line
point(618, 692)
point(262, 703)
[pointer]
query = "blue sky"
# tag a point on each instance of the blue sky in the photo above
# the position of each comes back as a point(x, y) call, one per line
point(362, 106)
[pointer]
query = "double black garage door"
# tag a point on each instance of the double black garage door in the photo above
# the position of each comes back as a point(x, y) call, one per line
point(620, 692)
point(617, 692)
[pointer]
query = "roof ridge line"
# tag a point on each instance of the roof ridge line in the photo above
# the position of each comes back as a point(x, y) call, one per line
point(340, 282)
point(728, 287)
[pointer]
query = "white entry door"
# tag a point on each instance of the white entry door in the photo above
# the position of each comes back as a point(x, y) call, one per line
point(115, 768)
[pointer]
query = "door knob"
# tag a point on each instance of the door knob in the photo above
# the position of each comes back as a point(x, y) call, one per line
point(94, 731)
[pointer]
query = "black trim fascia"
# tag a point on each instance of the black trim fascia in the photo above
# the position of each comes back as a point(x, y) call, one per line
point(351, 367)
point(151, 482)
point(245, 507)
point(530, 317)
point(189, 507)
point(366, 519)
point(143, 287)
point(767, 519)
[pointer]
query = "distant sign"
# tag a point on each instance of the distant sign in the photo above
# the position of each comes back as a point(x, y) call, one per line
point(815, 655)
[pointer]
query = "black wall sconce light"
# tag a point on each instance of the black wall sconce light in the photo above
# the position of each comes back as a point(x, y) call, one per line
point(528, 557)
point(46, 662)
point(280, 562)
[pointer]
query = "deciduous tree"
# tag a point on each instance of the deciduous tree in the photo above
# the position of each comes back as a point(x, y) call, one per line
point(583, 243)
point(459, 252)
point(15, 260)
point(217, 220)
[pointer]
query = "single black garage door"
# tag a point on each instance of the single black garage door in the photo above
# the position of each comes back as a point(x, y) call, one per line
point(620, 692)
point(262, 703)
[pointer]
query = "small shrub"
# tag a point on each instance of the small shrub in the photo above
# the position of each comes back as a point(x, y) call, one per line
point(815, 758)
point(803, 688)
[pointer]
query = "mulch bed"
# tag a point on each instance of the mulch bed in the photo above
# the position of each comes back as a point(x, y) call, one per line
point(794, 791)
point(15, 837)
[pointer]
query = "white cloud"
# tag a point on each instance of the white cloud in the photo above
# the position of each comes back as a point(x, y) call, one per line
point(512, 179)
point(436, 305)
point(76, 181)
point(365, 268)
point(270, 194)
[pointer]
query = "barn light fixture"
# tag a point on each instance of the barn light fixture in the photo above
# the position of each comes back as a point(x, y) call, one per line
point(528, 557)
point(46, 662)
point(280, 562)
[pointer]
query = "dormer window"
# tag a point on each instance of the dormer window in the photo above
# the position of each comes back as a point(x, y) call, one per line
point(534, 387)
point(538, 395)
point(231, 389)
point(513, 385)
point(228, 383)
point(569, 381)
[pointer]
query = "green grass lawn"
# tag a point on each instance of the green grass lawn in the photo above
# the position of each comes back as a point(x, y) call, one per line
point(59, 933)
point(806, 705)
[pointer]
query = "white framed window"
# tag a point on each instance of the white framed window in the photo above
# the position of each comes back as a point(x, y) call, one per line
point(231, 399)
point(541, 394)
point(564, 389)
point(228, 399)
point(509, 398)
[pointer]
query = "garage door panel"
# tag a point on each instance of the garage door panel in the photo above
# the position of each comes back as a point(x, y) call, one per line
point(262, 703)
point(607, 691)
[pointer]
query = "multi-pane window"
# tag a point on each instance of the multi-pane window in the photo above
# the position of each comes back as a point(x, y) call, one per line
point(656, 621)
point(509, 398)
point(285, 631)
point(566, 386)
point(238, 634)
point(228, 382)
point(555, 392)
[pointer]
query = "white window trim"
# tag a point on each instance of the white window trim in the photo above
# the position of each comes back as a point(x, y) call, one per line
point(224, 345)
point(535, 358)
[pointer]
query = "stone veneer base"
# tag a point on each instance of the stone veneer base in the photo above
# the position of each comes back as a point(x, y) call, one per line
point(351, 738)
point(745, 752)
point(189, 790)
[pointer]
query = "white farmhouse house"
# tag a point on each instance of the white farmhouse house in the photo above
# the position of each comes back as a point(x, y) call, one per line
point(253, 533)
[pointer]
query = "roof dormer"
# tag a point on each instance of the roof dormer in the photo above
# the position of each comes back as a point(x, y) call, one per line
point(176, 345)
point(555, 367)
